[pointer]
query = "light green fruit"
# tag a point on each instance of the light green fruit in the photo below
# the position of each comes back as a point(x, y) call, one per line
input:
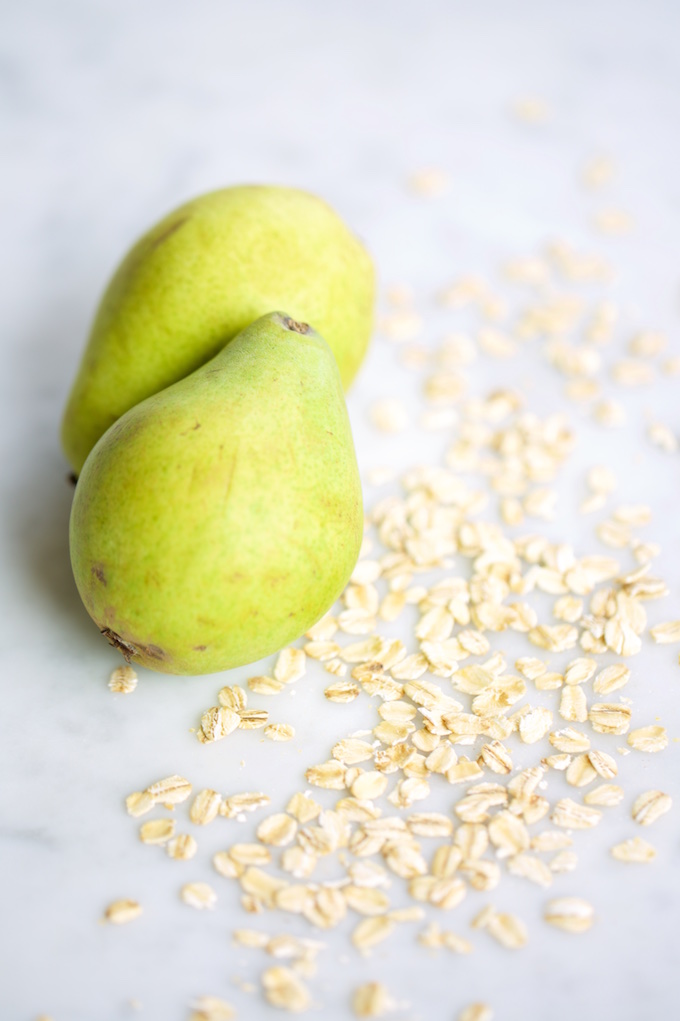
point(219, 519)
point(202, 275)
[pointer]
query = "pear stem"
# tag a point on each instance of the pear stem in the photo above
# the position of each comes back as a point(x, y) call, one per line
point(113, 639)
point(293, 324)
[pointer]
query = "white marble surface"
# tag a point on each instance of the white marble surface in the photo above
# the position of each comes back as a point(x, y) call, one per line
point(115, 112)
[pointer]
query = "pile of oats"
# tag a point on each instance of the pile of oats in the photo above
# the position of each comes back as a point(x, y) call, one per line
point(465, 556)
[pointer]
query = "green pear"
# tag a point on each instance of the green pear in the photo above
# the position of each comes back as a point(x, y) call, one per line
point(219, 519)
point(202, 275)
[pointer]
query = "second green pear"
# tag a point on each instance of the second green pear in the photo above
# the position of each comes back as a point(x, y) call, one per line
point(198, 278)
point(219, 519)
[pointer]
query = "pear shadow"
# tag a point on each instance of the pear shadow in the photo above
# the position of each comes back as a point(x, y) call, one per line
point(38, 518)
point(43, 543)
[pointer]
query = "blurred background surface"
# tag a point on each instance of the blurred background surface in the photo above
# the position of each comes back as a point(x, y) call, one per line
point(114, 112)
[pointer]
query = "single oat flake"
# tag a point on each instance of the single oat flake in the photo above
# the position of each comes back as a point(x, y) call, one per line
point(572, 816)
point(157, 831)
point(284, 989)
point(122, 911)
point(634, 850)
point(278, 829)
point(183, 847)
point(205, 807)
point(371, 1000)
point(531, 109)
point(371, 931)
point(509, 930)
point(573, 914)
point(666, 633)
point(217, 723)
point(290, 666)
point(139, 803)
point(650, 806)
point(279, 732)
point(211, 1008)
point(172, 790)
point(199, 895)
point(123, 680)
point(476, 1012)
point(648, 739)
point(430, 182)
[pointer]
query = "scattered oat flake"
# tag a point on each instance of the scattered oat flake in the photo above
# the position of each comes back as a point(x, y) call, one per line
point(610, 414)
point(650, 806)
point(573, 914)
point(430, 182)
point(554, 637)
point(199, 895)
point(573, 705)
point(389, 416)
point(580, 772)
point(604, 764)
point(535, 724)
point(400, 325)
point(532, 110)
point(371, 1000)
point(571, 815)
point(303, 808)
point(606, 795)
point(601, 479)
point(648, 739)
point(218, 723)
point(613, 221)
point(610, 717)
point(250, 854)
point(122, 911)
point(663, 437)
point(634, 850)
point(342, 691)
point(564, 861)
point(252, 938)
point(647, 344)
point(265, 685)
point(630, 372)
point(123, 680)
point(139, 803)
point(598, 172)
point(284, 989)
point(205, 807)
point(157, 831)
point(279, 732)
point(173, 790)
point(528, 866)
point(182, 847)
point(664, 634)
point(507, 929)
point(671, 366)
point(233, 697)
point(278, 829)
point(476, 1012)
point(371, 931)
point(611, 678)
point(252, 719)
point(211, 1008)
point(250, 801)
point(290, 665)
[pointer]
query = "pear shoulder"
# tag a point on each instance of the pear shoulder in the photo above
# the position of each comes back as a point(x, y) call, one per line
point(198, 278)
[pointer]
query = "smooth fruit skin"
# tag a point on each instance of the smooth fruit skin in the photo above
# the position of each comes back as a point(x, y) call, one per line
point(202, 275)
point(219, 519)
